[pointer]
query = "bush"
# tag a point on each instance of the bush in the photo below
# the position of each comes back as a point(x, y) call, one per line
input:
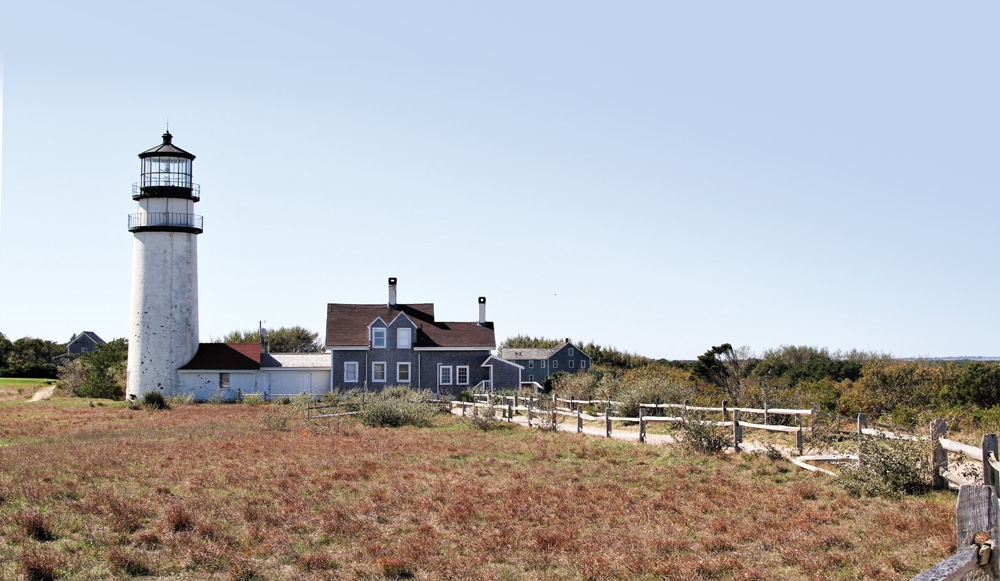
point(176, 400)
point(485, 417)
point(889, 468)
point(399, 406)
point(701, 435)
point(154, 400)
point(253, 399)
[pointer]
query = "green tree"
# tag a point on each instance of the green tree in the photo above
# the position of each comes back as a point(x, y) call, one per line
point(31, 357)
point(5, 349)
point(979, 383)
point(722, 367)
point(284, 340)
point(100, 373)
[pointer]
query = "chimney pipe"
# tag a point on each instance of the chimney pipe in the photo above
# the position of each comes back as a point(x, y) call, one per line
point(392, 291)
point(482, 311)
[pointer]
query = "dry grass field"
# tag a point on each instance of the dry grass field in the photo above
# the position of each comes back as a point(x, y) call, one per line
point(210, 492)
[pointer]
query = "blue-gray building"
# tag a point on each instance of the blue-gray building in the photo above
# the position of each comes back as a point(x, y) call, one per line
point(539, 364)
point(381, 345)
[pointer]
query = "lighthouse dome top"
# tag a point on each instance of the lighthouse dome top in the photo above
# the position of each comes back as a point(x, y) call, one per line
point(165, 149)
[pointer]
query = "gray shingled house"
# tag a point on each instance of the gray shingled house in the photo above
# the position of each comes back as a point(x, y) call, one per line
point(381, 345)
point(538, 364)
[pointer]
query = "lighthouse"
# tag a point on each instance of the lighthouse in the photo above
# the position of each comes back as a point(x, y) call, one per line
point(163, 321)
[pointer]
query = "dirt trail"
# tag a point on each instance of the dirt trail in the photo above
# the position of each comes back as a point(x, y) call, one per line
point(44, 393)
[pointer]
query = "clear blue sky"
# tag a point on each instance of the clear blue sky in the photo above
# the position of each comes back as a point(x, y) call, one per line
point(657, 176)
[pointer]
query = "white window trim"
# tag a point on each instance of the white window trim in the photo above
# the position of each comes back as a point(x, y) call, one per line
point(583, 364)
point(409, 370)
point(409, 337)
point(531, 364)
point(375, 344)
point(458, 375)
point(542, 362)
point(375, 378)
point(451, 377)
point(571, 363)
point(571, 353)
point(555, 364)
point(349, 364)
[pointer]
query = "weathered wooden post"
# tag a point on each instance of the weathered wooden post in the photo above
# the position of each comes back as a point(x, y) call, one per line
point(939, 456)
point(814, 413)
point(684, 414)
point(725, 411)
point(989, 473)
point(862, 423)
point(976, 515)
point(607, 421)
point(765, 414)
point(798, 434)
point(531, 400)
point(737, 429)
point(510, 412)
point(579, 419)
point(642, 426)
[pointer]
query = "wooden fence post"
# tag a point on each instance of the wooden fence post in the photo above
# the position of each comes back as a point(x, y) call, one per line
point(531, 400)
point(725, 411)
point(737, 429)
point(989, 446)
point(607, 421)
point(687, 402)
point(798, 434)
point(642, 427)
point(862, 422)
point(813, 414)
point(976, 513)
point(579, 419)
point(765, 413)
point(939, 456)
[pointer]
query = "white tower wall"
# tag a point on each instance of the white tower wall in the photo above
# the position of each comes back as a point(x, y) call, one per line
point(163, 322)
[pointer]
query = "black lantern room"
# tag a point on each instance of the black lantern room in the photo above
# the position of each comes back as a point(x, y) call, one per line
point(166, 173)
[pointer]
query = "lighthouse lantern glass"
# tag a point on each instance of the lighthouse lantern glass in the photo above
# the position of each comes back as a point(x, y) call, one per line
point(166, 171)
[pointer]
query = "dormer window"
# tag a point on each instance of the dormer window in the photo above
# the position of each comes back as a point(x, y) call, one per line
point(570, 351)
point(404, 338)
point(378, 337)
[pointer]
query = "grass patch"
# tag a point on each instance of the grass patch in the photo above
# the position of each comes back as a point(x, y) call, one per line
point(207, 491)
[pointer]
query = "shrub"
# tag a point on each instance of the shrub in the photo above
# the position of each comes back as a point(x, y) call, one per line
point(35, 526)
point(276, 421)
point(39, 565)
point(399, 406)
point(485, 417)
point(253, 399)
point(178, 519)
point(128, 563)
point(154, 400)
point(888, 468)
point(176, 400)
point(702, 436)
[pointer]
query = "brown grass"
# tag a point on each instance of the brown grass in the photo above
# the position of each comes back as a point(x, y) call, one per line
point(206, 491)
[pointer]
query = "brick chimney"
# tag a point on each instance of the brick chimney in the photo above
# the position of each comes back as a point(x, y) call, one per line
point(482, 311)
point(392, 291)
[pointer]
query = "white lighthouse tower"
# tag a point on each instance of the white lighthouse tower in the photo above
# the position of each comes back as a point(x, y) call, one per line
point(163, 322)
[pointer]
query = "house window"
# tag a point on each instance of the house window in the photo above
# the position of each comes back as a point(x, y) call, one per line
point(571, 364)
point(531, 364)
point(223, 381)
point(351, 371)
point(378, 371)
point(555, 364)
point(403, 372)
point(541, 364)
point(378, 337)
point(444, 375)
point(583, 364)
point(571, 352)
point(403, 338)
point(531, 378)
point(462, 375)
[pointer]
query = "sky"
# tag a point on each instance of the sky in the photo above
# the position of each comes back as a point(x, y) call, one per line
point(656, 176)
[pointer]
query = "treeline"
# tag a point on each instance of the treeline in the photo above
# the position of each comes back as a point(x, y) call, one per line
point(29, 357)
point(901, 392)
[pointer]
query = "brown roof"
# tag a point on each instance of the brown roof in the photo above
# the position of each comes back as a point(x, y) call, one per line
point(235, 356)
point(347, 326)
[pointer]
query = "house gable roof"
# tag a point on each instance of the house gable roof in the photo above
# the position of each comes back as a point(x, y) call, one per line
point(295, 360)
point(94, 339)
point(347, 326)
point(223, 356)
point(523, 354)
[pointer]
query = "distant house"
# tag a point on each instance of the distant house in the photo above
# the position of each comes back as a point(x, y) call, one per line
point(224, 370)
point(538, 364)
point(85, 342)
point(380, 345)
